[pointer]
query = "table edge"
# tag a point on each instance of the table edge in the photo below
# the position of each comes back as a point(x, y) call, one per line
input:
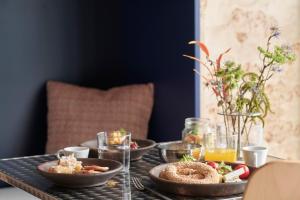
point(26, 187)
point(21, 157)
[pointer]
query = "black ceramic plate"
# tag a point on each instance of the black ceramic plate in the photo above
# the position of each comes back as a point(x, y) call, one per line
point(201, 190)
point(81, 180)
point(135, 154)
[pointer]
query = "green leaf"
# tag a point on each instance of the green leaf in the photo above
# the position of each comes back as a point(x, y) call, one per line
point(251, 76)
point(261, 119)
point(122, 131)
point(187, 158)
point(223, 168)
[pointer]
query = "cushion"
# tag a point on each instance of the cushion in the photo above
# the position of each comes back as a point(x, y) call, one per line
point(77, 114)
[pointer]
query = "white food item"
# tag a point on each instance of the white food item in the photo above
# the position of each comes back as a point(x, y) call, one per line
point(67, 165)
point(234, 175)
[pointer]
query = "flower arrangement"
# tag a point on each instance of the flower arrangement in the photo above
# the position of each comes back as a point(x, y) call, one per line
point(241, 94)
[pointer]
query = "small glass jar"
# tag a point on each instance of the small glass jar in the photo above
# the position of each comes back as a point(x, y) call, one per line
point(194, 130)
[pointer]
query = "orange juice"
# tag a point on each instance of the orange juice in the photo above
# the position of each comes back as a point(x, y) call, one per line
point(227, 155)
point(196, 153)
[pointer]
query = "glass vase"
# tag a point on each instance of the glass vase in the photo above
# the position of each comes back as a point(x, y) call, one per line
point(242, 125)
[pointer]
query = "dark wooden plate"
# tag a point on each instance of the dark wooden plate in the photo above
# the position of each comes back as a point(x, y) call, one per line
point(81, 180)
point(135, 154)
point(201, 190)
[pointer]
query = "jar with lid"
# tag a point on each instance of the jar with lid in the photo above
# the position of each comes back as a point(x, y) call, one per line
point(194, 130)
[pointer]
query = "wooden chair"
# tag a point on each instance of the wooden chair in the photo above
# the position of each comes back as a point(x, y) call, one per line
point(277, 180)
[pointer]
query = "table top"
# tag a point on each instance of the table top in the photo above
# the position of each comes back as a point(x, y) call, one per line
point(22, 173)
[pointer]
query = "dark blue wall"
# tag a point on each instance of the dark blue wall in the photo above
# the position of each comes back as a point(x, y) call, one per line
point(154, 37)
point(39, 40)
point(91, 43)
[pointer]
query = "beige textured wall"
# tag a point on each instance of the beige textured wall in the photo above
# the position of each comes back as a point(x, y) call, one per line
point(243, 25)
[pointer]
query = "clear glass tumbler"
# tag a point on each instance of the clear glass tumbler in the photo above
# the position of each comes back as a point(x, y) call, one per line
point(220, 146)
point(115, 146)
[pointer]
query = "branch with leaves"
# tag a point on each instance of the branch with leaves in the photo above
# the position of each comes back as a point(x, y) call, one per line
point(240, 92)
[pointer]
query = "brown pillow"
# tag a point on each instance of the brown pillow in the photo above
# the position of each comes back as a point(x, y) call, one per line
point(77, 114)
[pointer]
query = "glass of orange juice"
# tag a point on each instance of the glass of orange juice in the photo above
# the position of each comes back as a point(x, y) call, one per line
point(220, 147)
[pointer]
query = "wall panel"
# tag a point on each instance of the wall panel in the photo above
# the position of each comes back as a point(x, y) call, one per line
point(243, 25)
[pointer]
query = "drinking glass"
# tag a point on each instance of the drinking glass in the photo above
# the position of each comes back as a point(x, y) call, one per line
point(126, 189)
point(220, 146)
point(115, 147)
